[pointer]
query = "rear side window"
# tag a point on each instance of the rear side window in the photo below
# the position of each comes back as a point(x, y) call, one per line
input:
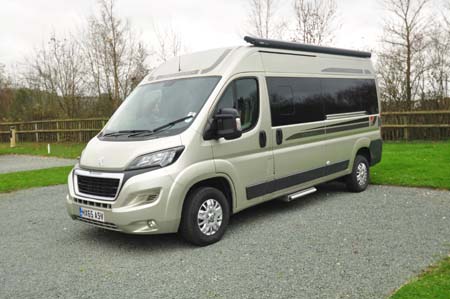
point(349, 95)
point(295, 100)
point(302, 100)
point(242, 95)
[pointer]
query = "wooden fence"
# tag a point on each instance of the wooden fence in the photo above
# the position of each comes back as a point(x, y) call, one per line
point(413, 125)
point(61, 130)
point(416, 125)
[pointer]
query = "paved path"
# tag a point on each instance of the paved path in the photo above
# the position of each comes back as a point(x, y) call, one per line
point(13, 163)
point(332, 244)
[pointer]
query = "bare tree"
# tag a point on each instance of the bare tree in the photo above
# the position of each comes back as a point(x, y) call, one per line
point(114, 56)
point(405, 35)
point(439, 63)
point(56, 68)
point(262, 19)
point(315, 21)
point(389, 68)
point(168, 43)
point(446, 17)
point(5, 93)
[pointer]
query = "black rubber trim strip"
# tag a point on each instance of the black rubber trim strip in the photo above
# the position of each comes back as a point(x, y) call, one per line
point(270, 43)
point(295, 179)
point(376, 148)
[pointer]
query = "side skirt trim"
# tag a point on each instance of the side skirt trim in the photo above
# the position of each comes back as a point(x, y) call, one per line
point(295, 179)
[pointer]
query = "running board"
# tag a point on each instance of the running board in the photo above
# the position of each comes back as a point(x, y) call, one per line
point(299, 194)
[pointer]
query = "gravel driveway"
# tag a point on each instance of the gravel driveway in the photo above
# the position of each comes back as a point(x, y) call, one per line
point(13, 163)
point(331, 244)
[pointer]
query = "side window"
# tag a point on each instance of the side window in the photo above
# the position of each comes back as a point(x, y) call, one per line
point(294, 100)
point(242, 95)
point(369, 96)
point(349, 95)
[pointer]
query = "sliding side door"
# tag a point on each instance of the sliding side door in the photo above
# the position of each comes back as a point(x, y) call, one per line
point(298, 130)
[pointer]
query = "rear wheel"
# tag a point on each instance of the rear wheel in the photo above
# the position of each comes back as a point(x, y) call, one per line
point(205, 216)
point(358, 180)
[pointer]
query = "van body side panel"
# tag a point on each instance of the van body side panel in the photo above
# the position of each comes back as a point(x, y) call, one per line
point(318, 149)
point(345, 138)
point(297, 160)
point(244, 160)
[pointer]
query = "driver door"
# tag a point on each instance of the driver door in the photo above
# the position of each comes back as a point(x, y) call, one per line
point(247, 159)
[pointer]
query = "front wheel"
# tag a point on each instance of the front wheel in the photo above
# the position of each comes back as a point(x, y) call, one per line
point(205, 216)
point(358, 180)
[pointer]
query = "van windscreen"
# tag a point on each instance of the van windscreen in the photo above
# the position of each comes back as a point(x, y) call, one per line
point(154, 105)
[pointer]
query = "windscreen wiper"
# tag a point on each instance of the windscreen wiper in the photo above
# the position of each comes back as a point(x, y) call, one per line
point(160, 128)
point(125, 132)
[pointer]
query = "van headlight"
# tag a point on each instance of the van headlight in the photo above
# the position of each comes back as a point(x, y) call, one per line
point(156, 159)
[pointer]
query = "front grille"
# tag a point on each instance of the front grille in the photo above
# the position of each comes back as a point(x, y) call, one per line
point(92, 203)
point(98, 223)
point(104, 187)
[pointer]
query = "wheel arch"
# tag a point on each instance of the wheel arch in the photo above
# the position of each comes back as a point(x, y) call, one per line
point(202, 174)
point(361, 147)
point(220, 182)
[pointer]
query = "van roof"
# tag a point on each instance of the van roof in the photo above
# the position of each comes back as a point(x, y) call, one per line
point(217, 62)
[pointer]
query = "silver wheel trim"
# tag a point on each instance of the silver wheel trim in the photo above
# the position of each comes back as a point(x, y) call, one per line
point(209, 217)
point(361, 174)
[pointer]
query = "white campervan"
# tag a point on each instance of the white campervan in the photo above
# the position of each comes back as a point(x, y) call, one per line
point(209, 134)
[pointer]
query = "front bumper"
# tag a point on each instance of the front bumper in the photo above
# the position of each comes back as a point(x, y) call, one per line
point(141, 207)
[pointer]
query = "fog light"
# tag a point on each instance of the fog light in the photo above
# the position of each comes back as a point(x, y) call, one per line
point(143, 198)
point(146, 197)
point(152, 224)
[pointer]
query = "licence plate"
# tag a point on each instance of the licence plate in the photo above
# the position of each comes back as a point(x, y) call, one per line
point(92, 214)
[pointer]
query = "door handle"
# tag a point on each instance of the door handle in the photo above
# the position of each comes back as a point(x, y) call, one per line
point(262, 139)
point(279, 136)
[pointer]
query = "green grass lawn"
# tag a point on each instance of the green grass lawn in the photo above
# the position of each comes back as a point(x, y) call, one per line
point(414, 164)
point(61, 150)
point(432, 283)
point(33, 178)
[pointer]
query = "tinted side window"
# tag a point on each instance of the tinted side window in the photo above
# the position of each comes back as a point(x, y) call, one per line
point(301, 100)
point(369, 98)
point(242, 95)
point(295, 100)
point(349, 95)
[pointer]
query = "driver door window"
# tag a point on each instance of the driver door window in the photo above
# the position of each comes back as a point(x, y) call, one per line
point(242, 95)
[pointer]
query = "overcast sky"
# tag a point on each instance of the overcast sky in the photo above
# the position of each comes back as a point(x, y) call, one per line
point(202, 24)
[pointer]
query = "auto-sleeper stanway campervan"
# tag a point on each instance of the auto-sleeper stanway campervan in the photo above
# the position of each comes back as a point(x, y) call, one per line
point(209, 134)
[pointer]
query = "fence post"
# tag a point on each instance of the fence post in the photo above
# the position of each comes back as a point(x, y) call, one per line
point(79, 133)
point(36, 134)
point(57, 132)
point(406, 129)
point(12, 137)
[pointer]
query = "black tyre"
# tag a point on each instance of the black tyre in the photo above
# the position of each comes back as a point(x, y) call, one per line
point(359, 179)
point(205, 216)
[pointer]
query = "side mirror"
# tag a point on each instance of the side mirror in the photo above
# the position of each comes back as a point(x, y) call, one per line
point(228, 124)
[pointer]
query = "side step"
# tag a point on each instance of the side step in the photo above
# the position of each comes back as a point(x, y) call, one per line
point(298, 194)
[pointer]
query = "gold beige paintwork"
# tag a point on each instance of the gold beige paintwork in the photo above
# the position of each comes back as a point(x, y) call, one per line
point(240, 162)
